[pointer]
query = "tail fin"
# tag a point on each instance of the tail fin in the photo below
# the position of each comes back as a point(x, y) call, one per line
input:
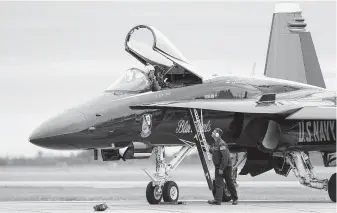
point(291, 53)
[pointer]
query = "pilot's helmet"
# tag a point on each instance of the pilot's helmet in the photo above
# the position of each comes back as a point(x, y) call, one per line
point(149, 68)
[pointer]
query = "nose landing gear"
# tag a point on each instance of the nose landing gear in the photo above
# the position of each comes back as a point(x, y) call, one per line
point(161, 187)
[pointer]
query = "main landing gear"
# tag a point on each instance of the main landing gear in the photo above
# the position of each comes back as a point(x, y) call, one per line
point(332, 187)
point(304, 171)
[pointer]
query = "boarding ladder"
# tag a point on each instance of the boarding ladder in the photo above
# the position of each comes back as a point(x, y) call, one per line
point(200, 136)
point(202, 145)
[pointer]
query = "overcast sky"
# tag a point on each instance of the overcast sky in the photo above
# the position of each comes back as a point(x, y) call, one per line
point(56, 55)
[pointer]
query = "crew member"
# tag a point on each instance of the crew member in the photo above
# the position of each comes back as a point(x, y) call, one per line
point(223, 168)
point(154, 83)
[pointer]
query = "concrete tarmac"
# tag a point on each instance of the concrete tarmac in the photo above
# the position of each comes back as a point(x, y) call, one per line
point(193, 206)
point(272, 196)
point(79, 189)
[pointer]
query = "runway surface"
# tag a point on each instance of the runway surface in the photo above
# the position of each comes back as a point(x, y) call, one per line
point(63, 190)
point(246, 206)
point(129, 196)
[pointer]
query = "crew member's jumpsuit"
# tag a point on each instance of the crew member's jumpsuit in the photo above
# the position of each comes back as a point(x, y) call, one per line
point(222, 161)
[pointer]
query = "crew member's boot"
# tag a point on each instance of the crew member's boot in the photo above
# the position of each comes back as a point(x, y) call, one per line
point(214, 202)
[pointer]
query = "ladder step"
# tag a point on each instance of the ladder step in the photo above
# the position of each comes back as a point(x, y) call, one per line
point(200, 134)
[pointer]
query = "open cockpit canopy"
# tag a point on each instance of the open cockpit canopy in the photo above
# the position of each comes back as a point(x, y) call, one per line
point(150, 46)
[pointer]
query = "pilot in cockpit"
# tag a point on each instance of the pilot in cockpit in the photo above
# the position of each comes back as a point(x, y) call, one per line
point(151, 73)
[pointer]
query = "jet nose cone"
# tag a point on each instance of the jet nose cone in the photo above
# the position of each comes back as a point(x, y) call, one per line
point(68, 122)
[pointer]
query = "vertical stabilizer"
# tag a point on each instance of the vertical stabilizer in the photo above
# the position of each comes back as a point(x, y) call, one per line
point(291, 53)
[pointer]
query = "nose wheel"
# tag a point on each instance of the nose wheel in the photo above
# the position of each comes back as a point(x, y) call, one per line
point(153, 194)
point(170, 192)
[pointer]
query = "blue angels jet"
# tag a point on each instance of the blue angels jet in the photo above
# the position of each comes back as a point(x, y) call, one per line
point(269, 122)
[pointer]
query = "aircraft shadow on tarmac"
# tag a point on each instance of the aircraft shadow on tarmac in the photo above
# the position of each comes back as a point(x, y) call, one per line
point(268, 202)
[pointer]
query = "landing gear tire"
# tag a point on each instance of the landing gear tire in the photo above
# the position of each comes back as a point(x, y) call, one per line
point(152, 196)
point(226, 195)
point(170, 192)
point(332, 188)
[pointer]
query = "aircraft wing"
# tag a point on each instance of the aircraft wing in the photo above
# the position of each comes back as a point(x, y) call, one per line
point(243, 106)
point(293, 110)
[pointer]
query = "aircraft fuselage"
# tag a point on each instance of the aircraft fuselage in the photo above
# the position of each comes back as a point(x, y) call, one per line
point(108, 121)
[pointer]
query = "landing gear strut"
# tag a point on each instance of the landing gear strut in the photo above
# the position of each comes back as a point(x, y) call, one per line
point(304, 171)
point(160, 187)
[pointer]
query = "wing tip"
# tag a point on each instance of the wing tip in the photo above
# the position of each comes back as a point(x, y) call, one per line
point(287, 8)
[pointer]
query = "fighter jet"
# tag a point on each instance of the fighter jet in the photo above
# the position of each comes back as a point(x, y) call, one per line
point(269, 122)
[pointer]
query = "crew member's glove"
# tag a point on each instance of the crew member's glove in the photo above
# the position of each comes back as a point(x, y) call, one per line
point(220, 172)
